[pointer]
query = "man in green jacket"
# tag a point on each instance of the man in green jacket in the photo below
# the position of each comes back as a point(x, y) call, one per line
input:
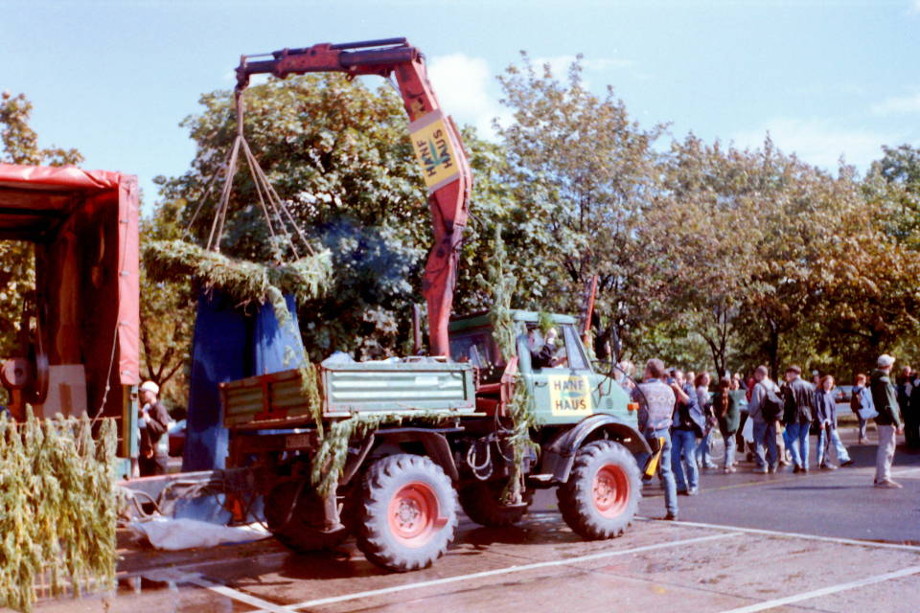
point(888, 421)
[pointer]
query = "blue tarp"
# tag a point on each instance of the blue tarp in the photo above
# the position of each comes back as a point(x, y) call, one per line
point(230, 344)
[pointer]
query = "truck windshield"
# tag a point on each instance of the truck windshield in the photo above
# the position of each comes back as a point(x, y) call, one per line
point(478, 348)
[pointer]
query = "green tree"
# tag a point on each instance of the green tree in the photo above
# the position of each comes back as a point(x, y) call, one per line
point(167, 315)
point(893, 182)
point(583, 174)
point(792, 221)
point(699, 232)
point(17, 278)
point(338, 153)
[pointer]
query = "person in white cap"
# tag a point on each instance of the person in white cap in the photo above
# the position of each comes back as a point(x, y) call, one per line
point(888, 421)
point(153, 421)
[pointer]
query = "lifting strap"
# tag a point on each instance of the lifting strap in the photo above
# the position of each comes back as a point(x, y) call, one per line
point(275, 212)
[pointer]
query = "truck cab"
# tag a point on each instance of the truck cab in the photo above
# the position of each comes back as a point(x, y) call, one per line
point(565, 391)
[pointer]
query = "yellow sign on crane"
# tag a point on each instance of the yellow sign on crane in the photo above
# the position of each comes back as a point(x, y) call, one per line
point(435, 150)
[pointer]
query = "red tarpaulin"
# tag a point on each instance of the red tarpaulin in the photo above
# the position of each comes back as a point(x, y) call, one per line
point(84, 225)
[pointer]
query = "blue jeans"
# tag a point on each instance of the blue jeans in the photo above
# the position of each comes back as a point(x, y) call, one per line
point(798, 443)
point(667, 475)
point(685, 445)
point(828, 436)
point(729, 438)
point(765, 434)
point(862, 427)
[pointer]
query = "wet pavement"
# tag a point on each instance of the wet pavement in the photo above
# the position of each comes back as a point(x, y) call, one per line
point(825, 541)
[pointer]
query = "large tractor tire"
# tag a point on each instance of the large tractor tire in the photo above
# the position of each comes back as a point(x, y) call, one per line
point(481, 501)
point(408, 513)
point(298, 524)
point(602, 494)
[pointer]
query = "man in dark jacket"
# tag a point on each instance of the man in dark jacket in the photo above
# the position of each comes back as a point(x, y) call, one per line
point(914, 406)
point(687, 427)
point(888, 421)
point(798, 415)
point(911, 423)
point(153, 422)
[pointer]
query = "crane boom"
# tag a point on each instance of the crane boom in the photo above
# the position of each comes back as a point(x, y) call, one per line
point(435, 139)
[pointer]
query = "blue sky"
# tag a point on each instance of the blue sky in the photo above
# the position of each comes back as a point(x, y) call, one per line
point(826, 79)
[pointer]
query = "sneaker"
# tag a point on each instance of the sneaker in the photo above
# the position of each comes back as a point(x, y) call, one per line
point(670, 517)
point(682, 492)
point(847, 463)
point(710, 465)
point(799, 469)
point(728, 470)
point(827, 467)
point(888, 484)
point(693, 491)
point(771, 469)
point(762, 470)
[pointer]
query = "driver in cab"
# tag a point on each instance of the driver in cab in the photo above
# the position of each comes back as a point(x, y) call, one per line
point(551, 354)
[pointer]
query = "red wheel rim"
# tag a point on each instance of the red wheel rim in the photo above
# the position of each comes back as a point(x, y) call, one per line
point(611, 490)
point(414, 514)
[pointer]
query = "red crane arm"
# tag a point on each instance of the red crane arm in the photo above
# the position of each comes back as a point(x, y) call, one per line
point(435, 140)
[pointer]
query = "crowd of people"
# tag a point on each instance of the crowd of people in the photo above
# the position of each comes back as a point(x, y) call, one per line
point(679, 415)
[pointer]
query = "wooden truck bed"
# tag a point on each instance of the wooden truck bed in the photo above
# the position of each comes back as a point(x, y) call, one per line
point(277, 400)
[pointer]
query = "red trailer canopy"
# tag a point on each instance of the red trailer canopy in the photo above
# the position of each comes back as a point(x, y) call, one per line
point(84, 225)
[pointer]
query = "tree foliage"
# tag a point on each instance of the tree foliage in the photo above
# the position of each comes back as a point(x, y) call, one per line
point(707, 254)
point(338, 153)
point(17, 276)
point(583, 176)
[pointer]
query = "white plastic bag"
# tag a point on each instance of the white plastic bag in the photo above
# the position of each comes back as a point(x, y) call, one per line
point(747, 432)
point(184, 533)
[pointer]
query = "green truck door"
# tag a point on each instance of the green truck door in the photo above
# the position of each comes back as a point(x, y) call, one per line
point(564, 394)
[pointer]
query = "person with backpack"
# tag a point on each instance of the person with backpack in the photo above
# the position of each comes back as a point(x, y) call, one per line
point(703, 397)
point(826, 419)
point(687, 426)
point(861, 404)
point(766, 409)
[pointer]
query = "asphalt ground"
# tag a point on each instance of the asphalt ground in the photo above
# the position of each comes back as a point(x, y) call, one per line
point(823, 541)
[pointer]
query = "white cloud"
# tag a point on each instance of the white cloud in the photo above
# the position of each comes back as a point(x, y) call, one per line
point(819, 141)
point(467, 90)
point(915, 6)
point(898, 104)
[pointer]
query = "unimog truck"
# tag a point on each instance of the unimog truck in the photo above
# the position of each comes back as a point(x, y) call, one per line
point(385, 451)
point(416, 435)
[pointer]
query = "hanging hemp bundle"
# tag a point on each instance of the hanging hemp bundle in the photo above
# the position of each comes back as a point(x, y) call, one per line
point(309, 387)
point(521, 408)
point(330, 458)
point(523, 419)
point(242, 280)
point(501, 285)
point(57, 508)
